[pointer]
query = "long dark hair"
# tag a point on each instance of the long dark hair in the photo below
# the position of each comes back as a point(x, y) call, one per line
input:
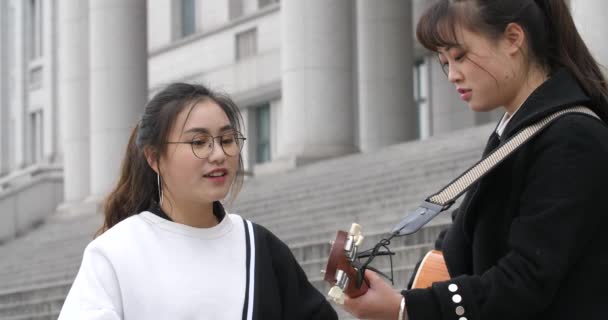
point(553, 39)
point(137, 187)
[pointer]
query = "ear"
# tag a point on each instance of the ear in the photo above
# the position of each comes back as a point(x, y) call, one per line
point(151, 157)
point(515, 38)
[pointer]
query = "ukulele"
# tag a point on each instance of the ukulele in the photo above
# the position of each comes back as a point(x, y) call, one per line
point(342, 275)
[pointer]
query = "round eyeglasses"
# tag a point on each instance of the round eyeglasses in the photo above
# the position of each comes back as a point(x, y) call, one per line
point(202, 144)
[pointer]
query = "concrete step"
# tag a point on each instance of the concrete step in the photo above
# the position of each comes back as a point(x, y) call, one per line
point(34, 292)
point(326, 227)
point(35, 307)
point(66, 275)
point(413, 183)
point(48, 265)
point(39, 316)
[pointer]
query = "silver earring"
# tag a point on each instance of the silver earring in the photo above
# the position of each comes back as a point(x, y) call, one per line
point(160, 191)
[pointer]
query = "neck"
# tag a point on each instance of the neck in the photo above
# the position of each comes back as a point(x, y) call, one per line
point(197, 215)
point(533, 79)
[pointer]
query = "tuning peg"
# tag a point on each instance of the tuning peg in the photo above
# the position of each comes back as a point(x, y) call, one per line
point(336, 294)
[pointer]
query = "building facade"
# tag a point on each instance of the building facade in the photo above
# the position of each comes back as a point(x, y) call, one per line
point(314, 79)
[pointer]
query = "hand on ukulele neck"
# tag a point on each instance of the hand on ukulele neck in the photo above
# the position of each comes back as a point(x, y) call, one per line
point(345, 271)
point(371, 254)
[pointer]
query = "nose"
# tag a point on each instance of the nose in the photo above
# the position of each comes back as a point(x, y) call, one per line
point(217, 152)
point(454, 75)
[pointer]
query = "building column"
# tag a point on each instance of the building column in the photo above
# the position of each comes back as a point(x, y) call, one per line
point(73, 65)
point(50, 126)
point(118, 84)
point(4, 102)
point(318, 94)
point(589, 17)
point(387, 111)
point(19, 101)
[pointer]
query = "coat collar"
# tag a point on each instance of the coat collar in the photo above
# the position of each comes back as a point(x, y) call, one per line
point(559, 92)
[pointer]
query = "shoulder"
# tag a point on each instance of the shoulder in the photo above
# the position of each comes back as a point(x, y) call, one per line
point(575, 133)
point(267, 235)
point(575, 125)
point(258, 230)
point(573, 148)
point(267, 239)
point(120, 237)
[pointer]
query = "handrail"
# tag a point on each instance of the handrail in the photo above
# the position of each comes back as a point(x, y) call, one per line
point(14, 178)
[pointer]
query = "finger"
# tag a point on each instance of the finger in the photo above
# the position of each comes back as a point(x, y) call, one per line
point(369, 274)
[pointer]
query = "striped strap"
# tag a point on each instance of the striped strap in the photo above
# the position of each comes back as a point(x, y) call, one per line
point(250, 271)
point(443, 199)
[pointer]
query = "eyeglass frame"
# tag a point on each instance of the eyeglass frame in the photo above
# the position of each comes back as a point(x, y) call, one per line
point(238, 136)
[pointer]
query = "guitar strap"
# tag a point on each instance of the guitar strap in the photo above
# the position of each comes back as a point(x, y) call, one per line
point(442, 200)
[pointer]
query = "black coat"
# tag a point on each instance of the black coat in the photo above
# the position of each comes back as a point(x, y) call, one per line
point(528, 240)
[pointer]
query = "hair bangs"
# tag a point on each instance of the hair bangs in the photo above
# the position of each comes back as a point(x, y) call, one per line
point(437, 28)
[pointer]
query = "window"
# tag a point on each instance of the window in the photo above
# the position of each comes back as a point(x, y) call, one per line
point(35, 29)
point(264, 3)
point(246, 44)
point(36, 78)
point(235, 9)
point(262, 134)
point(421, 92)
point(188, 17)
point(36, 139)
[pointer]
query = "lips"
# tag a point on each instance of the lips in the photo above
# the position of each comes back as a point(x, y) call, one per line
point(217, 173)
point(465, 94)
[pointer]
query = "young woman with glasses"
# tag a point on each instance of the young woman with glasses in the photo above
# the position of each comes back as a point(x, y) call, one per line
point(167, 248)
point(528, 241)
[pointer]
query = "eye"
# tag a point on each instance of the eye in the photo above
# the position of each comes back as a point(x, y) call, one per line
point(228, 138)
point(460, 56)
point(200, 141)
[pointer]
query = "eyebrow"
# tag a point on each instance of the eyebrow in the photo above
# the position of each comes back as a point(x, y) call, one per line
point(205, 130)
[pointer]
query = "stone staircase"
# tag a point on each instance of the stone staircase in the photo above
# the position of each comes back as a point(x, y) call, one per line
point(37, 270)
point(303, 207)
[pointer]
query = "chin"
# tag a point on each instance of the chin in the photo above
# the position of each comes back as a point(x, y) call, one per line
point(217, 196)
point(480, 108)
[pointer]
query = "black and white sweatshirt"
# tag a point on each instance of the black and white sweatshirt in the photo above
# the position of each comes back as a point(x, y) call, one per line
point(148, 267)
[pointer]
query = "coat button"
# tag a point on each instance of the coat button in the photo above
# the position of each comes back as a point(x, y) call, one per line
point(456, 298)
point(453, 287)
point(460, 310)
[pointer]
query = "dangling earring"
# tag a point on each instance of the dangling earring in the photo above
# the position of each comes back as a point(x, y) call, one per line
point(160, 190)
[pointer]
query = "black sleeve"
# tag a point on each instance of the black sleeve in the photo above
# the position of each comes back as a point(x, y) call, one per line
point(556, 219)
point(299, 300)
